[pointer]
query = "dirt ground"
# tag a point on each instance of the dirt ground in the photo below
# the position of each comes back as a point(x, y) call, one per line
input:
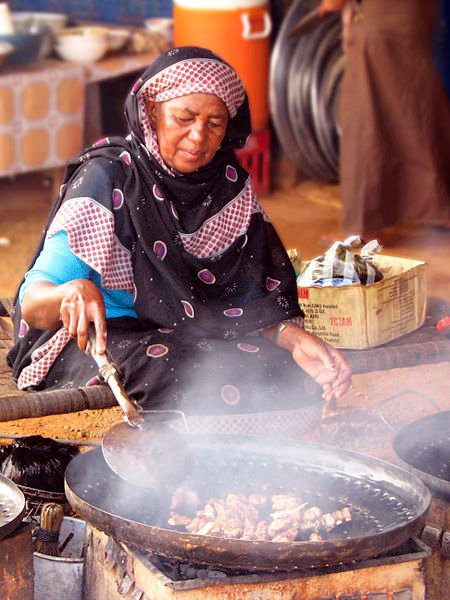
point(304, 215)
point(355, 423)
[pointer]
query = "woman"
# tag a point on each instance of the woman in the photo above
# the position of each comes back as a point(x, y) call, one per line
point(159, 241)
point(394, 117)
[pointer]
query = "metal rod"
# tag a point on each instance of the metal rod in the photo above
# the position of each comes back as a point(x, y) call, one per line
point(12, 436)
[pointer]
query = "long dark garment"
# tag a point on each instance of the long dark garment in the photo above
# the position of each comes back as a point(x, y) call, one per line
point(205, 265)
point(395, 119)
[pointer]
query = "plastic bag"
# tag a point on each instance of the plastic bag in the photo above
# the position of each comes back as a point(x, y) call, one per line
point(340, 265)
point(37, 462)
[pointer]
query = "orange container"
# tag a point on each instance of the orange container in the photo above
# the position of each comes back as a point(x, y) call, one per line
point(238, 31)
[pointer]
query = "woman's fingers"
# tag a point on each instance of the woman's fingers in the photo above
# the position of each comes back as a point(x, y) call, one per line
point(344, 375)
point(328, 392)
point(82, 331)
point(82, 305)
point(69, 315)
point(340, 382)
point(86, 318)
point(325, 364)
point(100, 335)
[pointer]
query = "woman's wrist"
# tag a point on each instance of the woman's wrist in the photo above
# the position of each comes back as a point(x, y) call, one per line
point(285, 334)
point(291, 336)
point(278, 331)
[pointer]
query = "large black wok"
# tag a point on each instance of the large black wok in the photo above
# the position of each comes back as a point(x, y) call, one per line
point(388, 504)
point(423, 448)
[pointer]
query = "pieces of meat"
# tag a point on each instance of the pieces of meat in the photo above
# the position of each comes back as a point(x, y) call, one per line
point(185, 500)
point(254, 517)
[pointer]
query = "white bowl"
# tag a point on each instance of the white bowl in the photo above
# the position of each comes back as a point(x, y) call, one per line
point(117, 38)
point(82, 44)
point(88, 53)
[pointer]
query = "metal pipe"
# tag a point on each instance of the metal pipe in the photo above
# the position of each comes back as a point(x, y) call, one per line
point(11, 436)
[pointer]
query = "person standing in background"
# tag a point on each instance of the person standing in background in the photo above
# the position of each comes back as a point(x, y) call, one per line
point(442, 43)
point(394, 117)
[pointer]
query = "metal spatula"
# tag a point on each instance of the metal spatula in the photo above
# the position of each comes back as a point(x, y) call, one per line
point(147, 449)
point(109, 373)
point(151, 455)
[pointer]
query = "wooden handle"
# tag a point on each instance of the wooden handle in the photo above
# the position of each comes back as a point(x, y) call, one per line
point(47, 536)
point(109, 373)
point(52, 515)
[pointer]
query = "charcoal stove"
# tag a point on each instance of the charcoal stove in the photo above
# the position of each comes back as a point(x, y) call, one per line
point(118, 571)
point(16, 564)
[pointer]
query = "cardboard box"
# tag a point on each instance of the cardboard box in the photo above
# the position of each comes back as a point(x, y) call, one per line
point(359, 316)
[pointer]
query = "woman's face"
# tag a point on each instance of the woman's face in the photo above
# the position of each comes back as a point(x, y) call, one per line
point(190, 129)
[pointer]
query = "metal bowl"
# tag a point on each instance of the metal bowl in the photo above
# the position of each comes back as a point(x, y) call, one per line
point(12, 506)
point(5, 49)
point(53, 21)
point(29, 41)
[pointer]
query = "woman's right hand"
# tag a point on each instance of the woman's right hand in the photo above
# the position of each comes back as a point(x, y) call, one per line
point(82, 304)
point(76, 304)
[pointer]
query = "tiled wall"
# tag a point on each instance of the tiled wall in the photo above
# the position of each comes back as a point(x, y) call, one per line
point(124, 12)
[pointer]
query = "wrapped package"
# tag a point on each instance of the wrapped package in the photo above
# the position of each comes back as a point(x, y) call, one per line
point(341, 265)
point(37, 462)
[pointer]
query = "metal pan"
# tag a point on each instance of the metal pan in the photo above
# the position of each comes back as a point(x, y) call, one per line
point(389, 503)
point(146, 449)
point(423, 448)
point(155, 453)
point(12, 506)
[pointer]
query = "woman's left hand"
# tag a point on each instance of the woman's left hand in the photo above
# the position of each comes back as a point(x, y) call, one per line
point(323, 363)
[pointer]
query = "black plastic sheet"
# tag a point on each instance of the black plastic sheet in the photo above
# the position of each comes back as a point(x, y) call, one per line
point(37, 462)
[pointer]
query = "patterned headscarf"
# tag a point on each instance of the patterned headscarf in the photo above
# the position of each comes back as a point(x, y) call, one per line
point(195, 75)
point(189, 70)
